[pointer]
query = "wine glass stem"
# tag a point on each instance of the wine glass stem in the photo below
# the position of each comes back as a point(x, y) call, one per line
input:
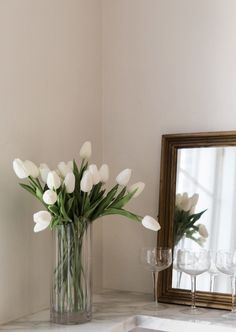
point(233, 287)
point(155, 279)
point(212, 282)
point(193, 291)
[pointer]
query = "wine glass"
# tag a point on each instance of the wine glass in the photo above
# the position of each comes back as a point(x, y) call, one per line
point(193, 262)
point(156, 260)
point(226, 263)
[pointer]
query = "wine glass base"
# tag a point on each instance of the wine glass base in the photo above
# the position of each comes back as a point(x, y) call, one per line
point(230, 315)
point(193, 311)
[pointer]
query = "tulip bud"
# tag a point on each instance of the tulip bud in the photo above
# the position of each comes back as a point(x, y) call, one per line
point(151, 223)
point(32, 168)
point(139, 186)
point(44, 170)
point(123, 177)
point(178, 200)
point(104, 173)
point(95, 174)
point(203, 231)
point(86, 150)
point(50, 197)
point(42, 220)
point(86, 183)
point(63, 168)
point(19, 168)
point(69, 182)
point(53, 180)
point(194, 199)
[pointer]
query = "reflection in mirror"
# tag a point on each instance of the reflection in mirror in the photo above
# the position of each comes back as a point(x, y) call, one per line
point(205, 210)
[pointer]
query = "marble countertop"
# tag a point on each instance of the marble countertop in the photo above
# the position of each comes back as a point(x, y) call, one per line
point(113, 307)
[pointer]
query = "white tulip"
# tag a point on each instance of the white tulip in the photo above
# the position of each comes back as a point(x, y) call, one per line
point(70, 164)
point(32, 168)
point(20, 169)
point(44, 170)
point(203, 231)
point(139, 186)
point(69, 182)
point(86, 150)
point(42, 220)
point(50, 197)
point(178, 200)
point(95, 174)
point(104, 173)
point(194, 199)
point(86, 183)
point(63, 168)
point(151, 223)
point(123, 177)
point(53, 180)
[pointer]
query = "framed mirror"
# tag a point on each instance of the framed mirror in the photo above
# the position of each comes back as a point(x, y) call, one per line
point(198, 181)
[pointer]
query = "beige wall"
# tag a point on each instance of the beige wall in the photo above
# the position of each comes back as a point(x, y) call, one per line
point(169, 66)
point(50, 102)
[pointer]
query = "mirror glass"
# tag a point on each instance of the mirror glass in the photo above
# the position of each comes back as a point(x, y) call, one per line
point(205, 188)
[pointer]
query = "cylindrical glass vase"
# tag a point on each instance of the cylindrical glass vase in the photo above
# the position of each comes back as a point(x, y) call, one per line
point(71, 289)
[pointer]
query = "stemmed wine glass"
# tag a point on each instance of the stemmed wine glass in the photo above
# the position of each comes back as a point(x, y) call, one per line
point(226, 263)
point(193, 262)
point(156, 260)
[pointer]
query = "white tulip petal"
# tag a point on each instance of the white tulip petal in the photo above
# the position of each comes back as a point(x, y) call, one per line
point(70, 164)
point(50, 197)
point(139, 186)
point(123, 177)
point(86, 150)
point(151, 223)
point(44, 170)
point(42, 216)
point(53, 180)
point(32, 168)
point(69, 182)
point(95, 173)
point(40, 226)
point(20, 169)
point(104, 173)
point(86, 183)
point(63, 168)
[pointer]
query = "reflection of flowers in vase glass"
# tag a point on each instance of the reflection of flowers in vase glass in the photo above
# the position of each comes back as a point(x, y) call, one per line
point(73, 197)
point(185, 220)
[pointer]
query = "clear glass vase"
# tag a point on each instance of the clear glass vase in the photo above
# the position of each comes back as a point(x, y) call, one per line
point(71, 289)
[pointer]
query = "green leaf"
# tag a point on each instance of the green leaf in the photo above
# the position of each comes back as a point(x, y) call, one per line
point(105, 202)
point(123, 201)
point(53, 209)
point(121, 212)
point(28, 188)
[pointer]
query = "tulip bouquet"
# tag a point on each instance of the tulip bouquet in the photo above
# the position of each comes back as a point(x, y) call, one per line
point(73, 197)
point(185, 220)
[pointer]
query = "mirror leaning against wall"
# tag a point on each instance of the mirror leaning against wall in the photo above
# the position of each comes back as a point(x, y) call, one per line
point(197, 211)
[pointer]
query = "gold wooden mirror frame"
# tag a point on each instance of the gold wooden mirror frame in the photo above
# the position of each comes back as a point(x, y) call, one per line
point(170, 145)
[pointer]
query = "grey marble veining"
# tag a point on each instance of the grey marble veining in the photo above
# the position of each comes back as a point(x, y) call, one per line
point(113, 307)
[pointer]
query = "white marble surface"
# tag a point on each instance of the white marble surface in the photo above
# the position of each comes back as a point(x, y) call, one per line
point(113, 307)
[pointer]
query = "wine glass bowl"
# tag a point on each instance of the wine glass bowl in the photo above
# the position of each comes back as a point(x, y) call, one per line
point(194, 263)
point(156, 259)
point(226, 263)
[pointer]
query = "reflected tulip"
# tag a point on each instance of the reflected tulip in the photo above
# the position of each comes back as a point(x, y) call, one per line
point(203, 231)
point(151, 223)
point(20, 169)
